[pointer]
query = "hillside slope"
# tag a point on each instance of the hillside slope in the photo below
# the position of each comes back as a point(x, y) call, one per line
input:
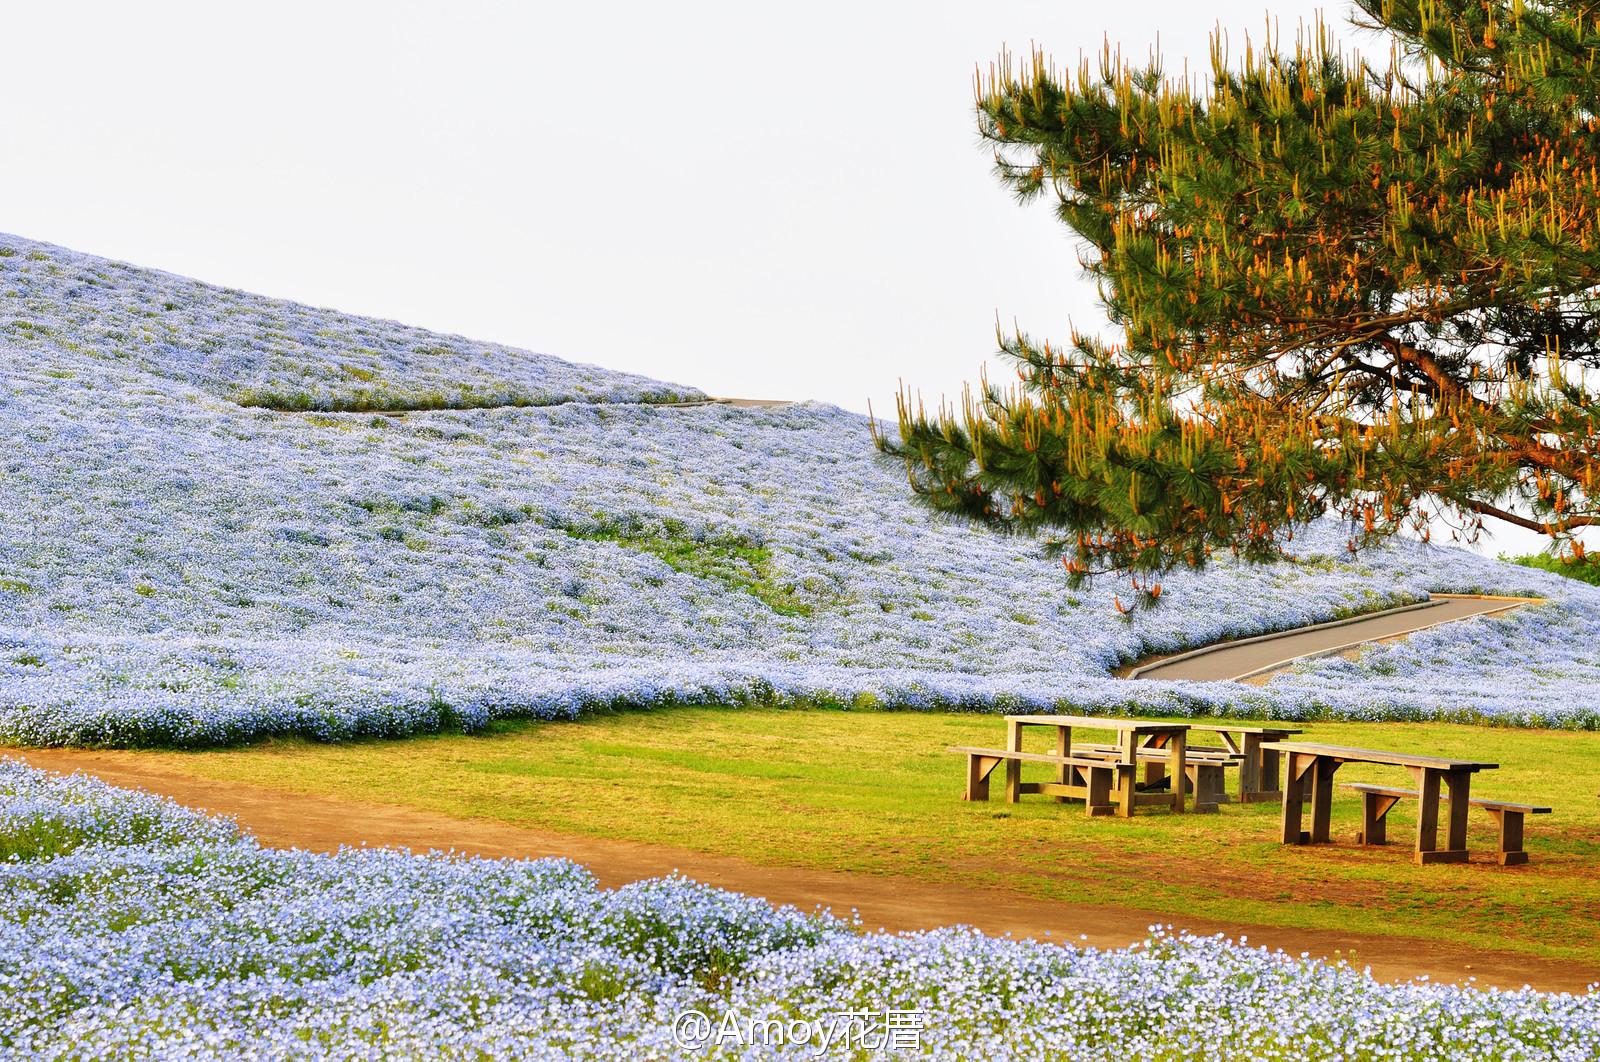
point(81, 315)
point(239, 516)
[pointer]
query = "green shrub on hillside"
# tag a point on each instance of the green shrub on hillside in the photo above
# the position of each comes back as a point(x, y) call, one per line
point(1585, 570)
point(732, 560)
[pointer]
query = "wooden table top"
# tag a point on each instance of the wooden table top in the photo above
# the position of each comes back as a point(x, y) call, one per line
point(1100, 722)
point(1396, 759)
point(1232, 729)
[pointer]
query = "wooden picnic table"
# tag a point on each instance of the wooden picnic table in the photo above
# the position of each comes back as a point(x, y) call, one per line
point(1133, 736)
point(1258, 773)
point(1243, 745)
point(1313, 765)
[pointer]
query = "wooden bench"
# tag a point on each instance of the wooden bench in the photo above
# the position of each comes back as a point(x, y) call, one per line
point(1102, 790)
point(1376, 800)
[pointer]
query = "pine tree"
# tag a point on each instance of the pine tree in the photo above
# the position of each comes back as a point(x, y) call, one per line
point(1341, 288)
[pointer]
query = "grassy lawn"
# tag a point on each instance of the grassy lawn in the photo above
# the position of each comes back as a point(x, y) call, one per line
point(876, 792)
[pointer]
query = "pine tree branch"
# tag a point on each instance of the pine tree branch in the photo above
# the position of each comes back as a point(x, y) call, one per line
point(1509, 517)
point(1429, 366)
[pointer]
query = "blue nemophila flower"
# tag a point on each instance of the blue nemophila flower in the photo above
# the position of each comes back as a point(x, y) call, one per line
point(165, 934)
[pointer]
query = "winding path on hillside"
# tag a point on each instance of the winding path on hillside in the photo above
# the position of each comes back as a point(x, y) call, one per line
point(737, 403)
point(1251, 657)
point(291, 820)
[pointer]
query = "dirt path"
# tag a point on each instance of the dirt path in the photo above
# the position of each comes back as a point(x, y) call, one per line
point(1250, 657)
point(288, 820)
point(738, 403)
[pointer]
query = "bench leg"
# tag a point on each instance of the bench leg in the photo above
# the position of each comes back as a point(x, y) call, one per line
point(1128, 784)
point(1510, 850)
point(1374, 818)
point(978, 769)
point(1099, 799)
point(1217, 774)
point(1207, 786)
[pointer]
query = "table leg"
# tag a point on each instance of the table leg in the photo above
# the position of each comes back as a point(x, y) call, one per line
point(1267, 776)
point(1250, 768)
point(1293, 787)
point(1322, 799)
point(1130, 774)
point(1063, 749)
point(1013, 767)
point(1427, 813)
point(1459, 784)
point(1178, 767)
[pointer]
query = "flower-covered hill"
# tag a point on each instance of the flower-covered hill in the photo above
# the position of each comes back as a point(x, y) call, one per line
point(74, 313)
point(179, 565)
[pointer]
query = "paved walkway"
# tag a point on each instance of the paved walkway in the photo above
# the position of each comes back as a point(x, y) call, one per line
point(292, 820)
point(1249, 657)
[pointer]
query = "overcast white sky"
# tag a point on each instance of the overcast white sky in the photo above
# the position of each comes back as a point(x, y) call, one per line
point(760, 200)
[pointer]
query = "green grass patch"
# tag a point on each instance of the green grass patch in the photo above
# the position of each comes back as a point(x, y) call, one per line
point(734, 561)
point(1587, 570)
point(386, 398)
point(383, 399)
point(876, 792)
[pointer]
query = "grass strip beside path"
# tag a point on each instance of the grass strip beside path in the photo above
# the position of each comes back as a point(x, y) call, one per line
point(876, 792)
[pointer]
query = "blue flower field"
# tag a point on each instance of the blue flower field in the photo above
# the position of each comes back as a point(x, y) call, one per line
point(150, 931)
point(228, 517)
